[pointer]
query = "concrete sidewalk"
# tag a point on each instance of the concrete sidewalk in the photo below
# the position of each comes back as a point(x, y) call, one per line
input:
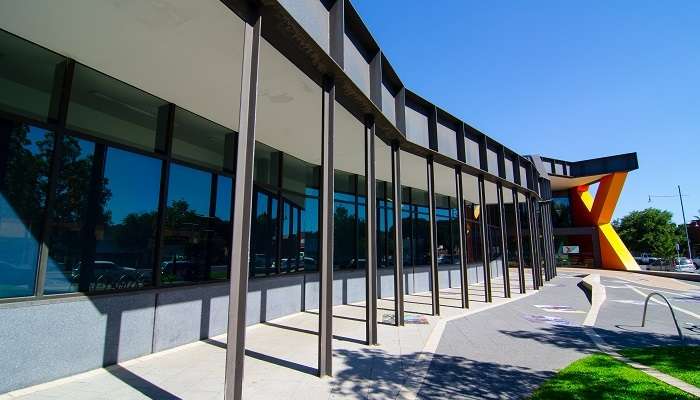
point(281, 359)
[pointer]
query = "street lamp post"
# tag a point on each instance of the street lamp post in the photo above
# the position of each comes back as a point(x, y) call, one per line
point(685, 225)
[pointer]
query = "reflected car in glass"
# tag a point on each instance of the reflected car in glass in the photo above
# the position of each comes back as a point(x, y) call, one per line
point(110, 275)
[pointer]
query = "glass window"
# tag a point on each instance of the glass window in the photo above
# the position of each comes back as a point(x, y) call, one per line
point(105, 239)
point(189, 253)
point(220, 251)
point(511, 244)
point(385, 215)
point(492, 161)
point(417, 127)
point(446, 216)
point(24, 168)
point(385, 225)
point(263, 260)
point(286, 213)
point(109, 109)
point(350, 241)
point(559, 169)
point(493, 229)
point(509, 169)
point(266, 165)
point(345, 222)
point(523, 177)
point(472, 226)
point(472, 152)
point(447, 140)
point(27, 74)
point(388, 104)
point(69, 215)
point(202, 142)
point(561, 210)
point(421, 227)
point(525, 238)
point(125, 231)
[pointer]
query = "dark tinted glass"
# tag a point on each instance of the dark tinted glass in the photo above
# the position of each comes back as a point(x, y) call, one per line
point(266, 165)
point(190, 252)
point(447, 236)
point(385, 226)
point(107, 108)
point(202, 142)
point(27, 74)
point(511, 245)
point(345, 222)
point(493, 229)
point(125, 230)
point(263, 260)
point(561, 211)
point(69, 215)
point(25, 153)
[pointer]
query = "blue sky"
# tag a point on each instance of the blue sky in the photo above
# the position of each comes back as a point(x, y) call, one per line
point(567, 79)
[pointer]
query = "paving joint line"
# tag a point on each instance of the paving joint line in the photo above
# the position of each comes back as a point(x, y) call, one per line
point(410, 390)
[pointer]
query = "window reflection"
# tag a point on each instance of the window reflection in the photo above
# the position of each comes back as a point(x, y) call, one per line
point(24, 166)
point(194, 241)
point(511, 244)
point(493, 229)
point(125, 229)
point(202, 142)
point(110, 109)
point(472, 229)
point(69, 215)
point(416, 227)
point(285, 215)
point(27, 74)
point(447, 236)
point(385, 225)
point(561, 210)
point(526, 240)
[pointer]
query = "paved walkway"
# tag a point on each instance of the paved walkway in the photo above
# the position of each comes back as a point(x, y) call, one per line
point(499, 350)
point(281, 358)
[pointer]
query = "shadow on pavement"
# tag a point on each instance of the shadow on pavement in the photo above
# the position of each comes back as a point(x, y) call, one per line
point(374, 373)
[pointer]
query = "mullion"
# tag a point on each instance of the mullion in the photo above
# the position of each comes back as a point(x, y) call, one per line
point(61, 95)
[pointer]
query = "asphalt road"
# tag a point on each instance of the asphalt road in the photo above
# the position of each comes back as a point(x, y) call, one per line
point(507, 352)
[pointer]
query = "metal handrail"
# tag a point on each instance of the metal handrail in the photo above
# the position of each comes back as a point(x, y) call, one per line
point(675, 321)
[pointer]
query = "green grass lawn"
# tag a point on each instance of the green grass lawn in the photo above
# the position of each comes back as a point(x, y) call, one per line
point(682, 362)
point(600, 376)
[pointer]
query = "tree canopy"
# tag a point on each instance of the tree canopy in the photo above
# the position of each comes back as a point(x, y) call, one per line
point(650, 231)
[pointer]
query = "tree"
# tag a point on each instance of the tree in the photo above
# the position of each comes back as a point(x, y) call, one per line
point(650, 231)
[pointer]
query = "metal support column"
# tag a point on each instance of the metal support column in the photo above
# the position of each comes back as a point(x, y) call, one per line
point(325, 310)
point(461, 220)
point(519, 239)
point(546, 241)
point(535, 239)
point(434, 278)
point(531, 232)
point(484, 241)
point(398, 233)
point(551, 241)
point(371, 289)
point(504, 242)
point(242, 209)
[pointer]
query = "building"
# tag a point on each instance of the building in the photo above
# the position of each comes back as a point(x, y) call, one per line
point(583, 234)
point(150, 150)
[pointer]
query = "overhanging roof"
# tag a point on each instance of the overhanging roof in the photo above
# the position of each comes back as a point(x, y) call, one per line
point(565, 175)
